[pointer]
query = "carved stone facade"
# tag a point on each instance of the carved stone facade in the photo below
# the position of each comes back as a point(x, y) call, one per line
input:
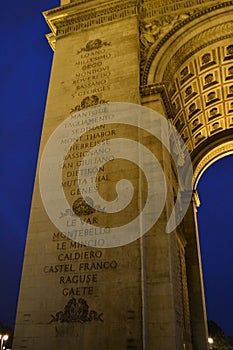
point(195, 70)
point(175, 57)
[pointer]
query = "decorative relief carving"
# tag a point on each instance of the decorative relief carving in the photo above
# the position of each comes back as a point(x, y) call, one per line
point(198, 42)
point(189, 93)
point(185, 135)
point(198, 138)
point(231, 107)
point(94, 45)
point(64, 7)
point(153, 30)
point(230, 91)
point(207, 60)
point(63, 22)
point(172, 89)
point(76, 311)
point(88, 101)
point(185, 75)
point(213, 113)
point(160, 7)
point(198, 115)
point(81, 207)
point(179, 124)
point(196, 124)
point(85, 206)
point(152, 89)
point(209, 81)
point(176, 106)
point(193, 110)
point(216, 126)
point(229, 73)
point(229, 53)
point(147, 58)
point(211, 98)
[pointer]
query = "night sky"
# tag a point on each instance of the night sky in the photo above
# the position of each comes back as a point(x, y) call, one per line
point(25, 67)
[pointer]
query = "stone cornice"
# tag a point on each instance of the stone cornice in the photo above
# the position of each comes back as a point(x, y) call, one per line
point(153, 89)
point(64, 7)
point(75, 17)
point(155, 9)
point(52, 40)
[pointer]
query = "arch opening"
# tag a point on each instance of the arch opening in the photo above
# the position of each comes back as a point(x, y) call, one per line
point(215, 223)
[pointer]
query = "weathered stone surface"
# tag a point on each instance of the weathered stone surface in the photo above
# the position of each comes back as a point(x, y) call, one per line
point(174, 57)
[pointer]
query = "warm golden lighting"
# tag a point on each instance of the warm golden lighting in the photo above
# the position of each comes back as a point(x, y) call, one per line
point(3, 338)
point(210, 340)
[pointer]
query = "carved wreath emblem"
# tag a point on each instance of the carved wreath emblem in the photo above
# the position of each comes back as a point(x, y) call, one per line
point(81, 207)
point(88, 101)
point(76, 311)
point(94, 45)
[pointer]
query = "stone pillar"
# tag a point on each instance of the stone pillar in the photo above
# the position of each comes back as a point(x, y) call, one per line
point(195, 279)
point(73, 295)
point(163, 283)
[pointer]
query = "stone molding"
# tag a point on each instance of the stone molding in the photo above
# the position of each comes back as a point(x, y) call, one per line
point(213, 155)
point(150, 8)
point(51, 40)
point(152, 89)
point(73, 17)
point(159, 88)
point(198, 42)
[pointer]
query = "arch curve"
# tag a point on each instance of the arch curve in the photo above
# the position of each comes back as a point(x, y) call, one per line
point(218, 152)
point(193, 64)
point(188, 35)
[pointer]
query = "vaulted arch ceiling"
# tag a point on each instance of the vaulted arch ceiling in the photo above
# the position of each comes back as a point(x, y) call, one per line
point(192, 63)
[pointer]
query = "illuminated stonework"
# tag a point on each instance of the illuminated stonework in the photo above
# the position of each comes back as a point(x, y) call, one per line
point(201, 95)
point(176, 58)
point(193, 61)
point(216, 153)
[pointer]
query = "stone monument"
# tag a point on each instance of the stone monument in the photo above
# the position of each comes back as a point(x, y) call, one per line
point(78, 291)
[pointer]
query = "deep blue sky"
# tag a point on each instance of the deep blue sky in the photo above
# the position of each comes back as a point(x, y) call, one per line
point(215, 218)
point(25, 66)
